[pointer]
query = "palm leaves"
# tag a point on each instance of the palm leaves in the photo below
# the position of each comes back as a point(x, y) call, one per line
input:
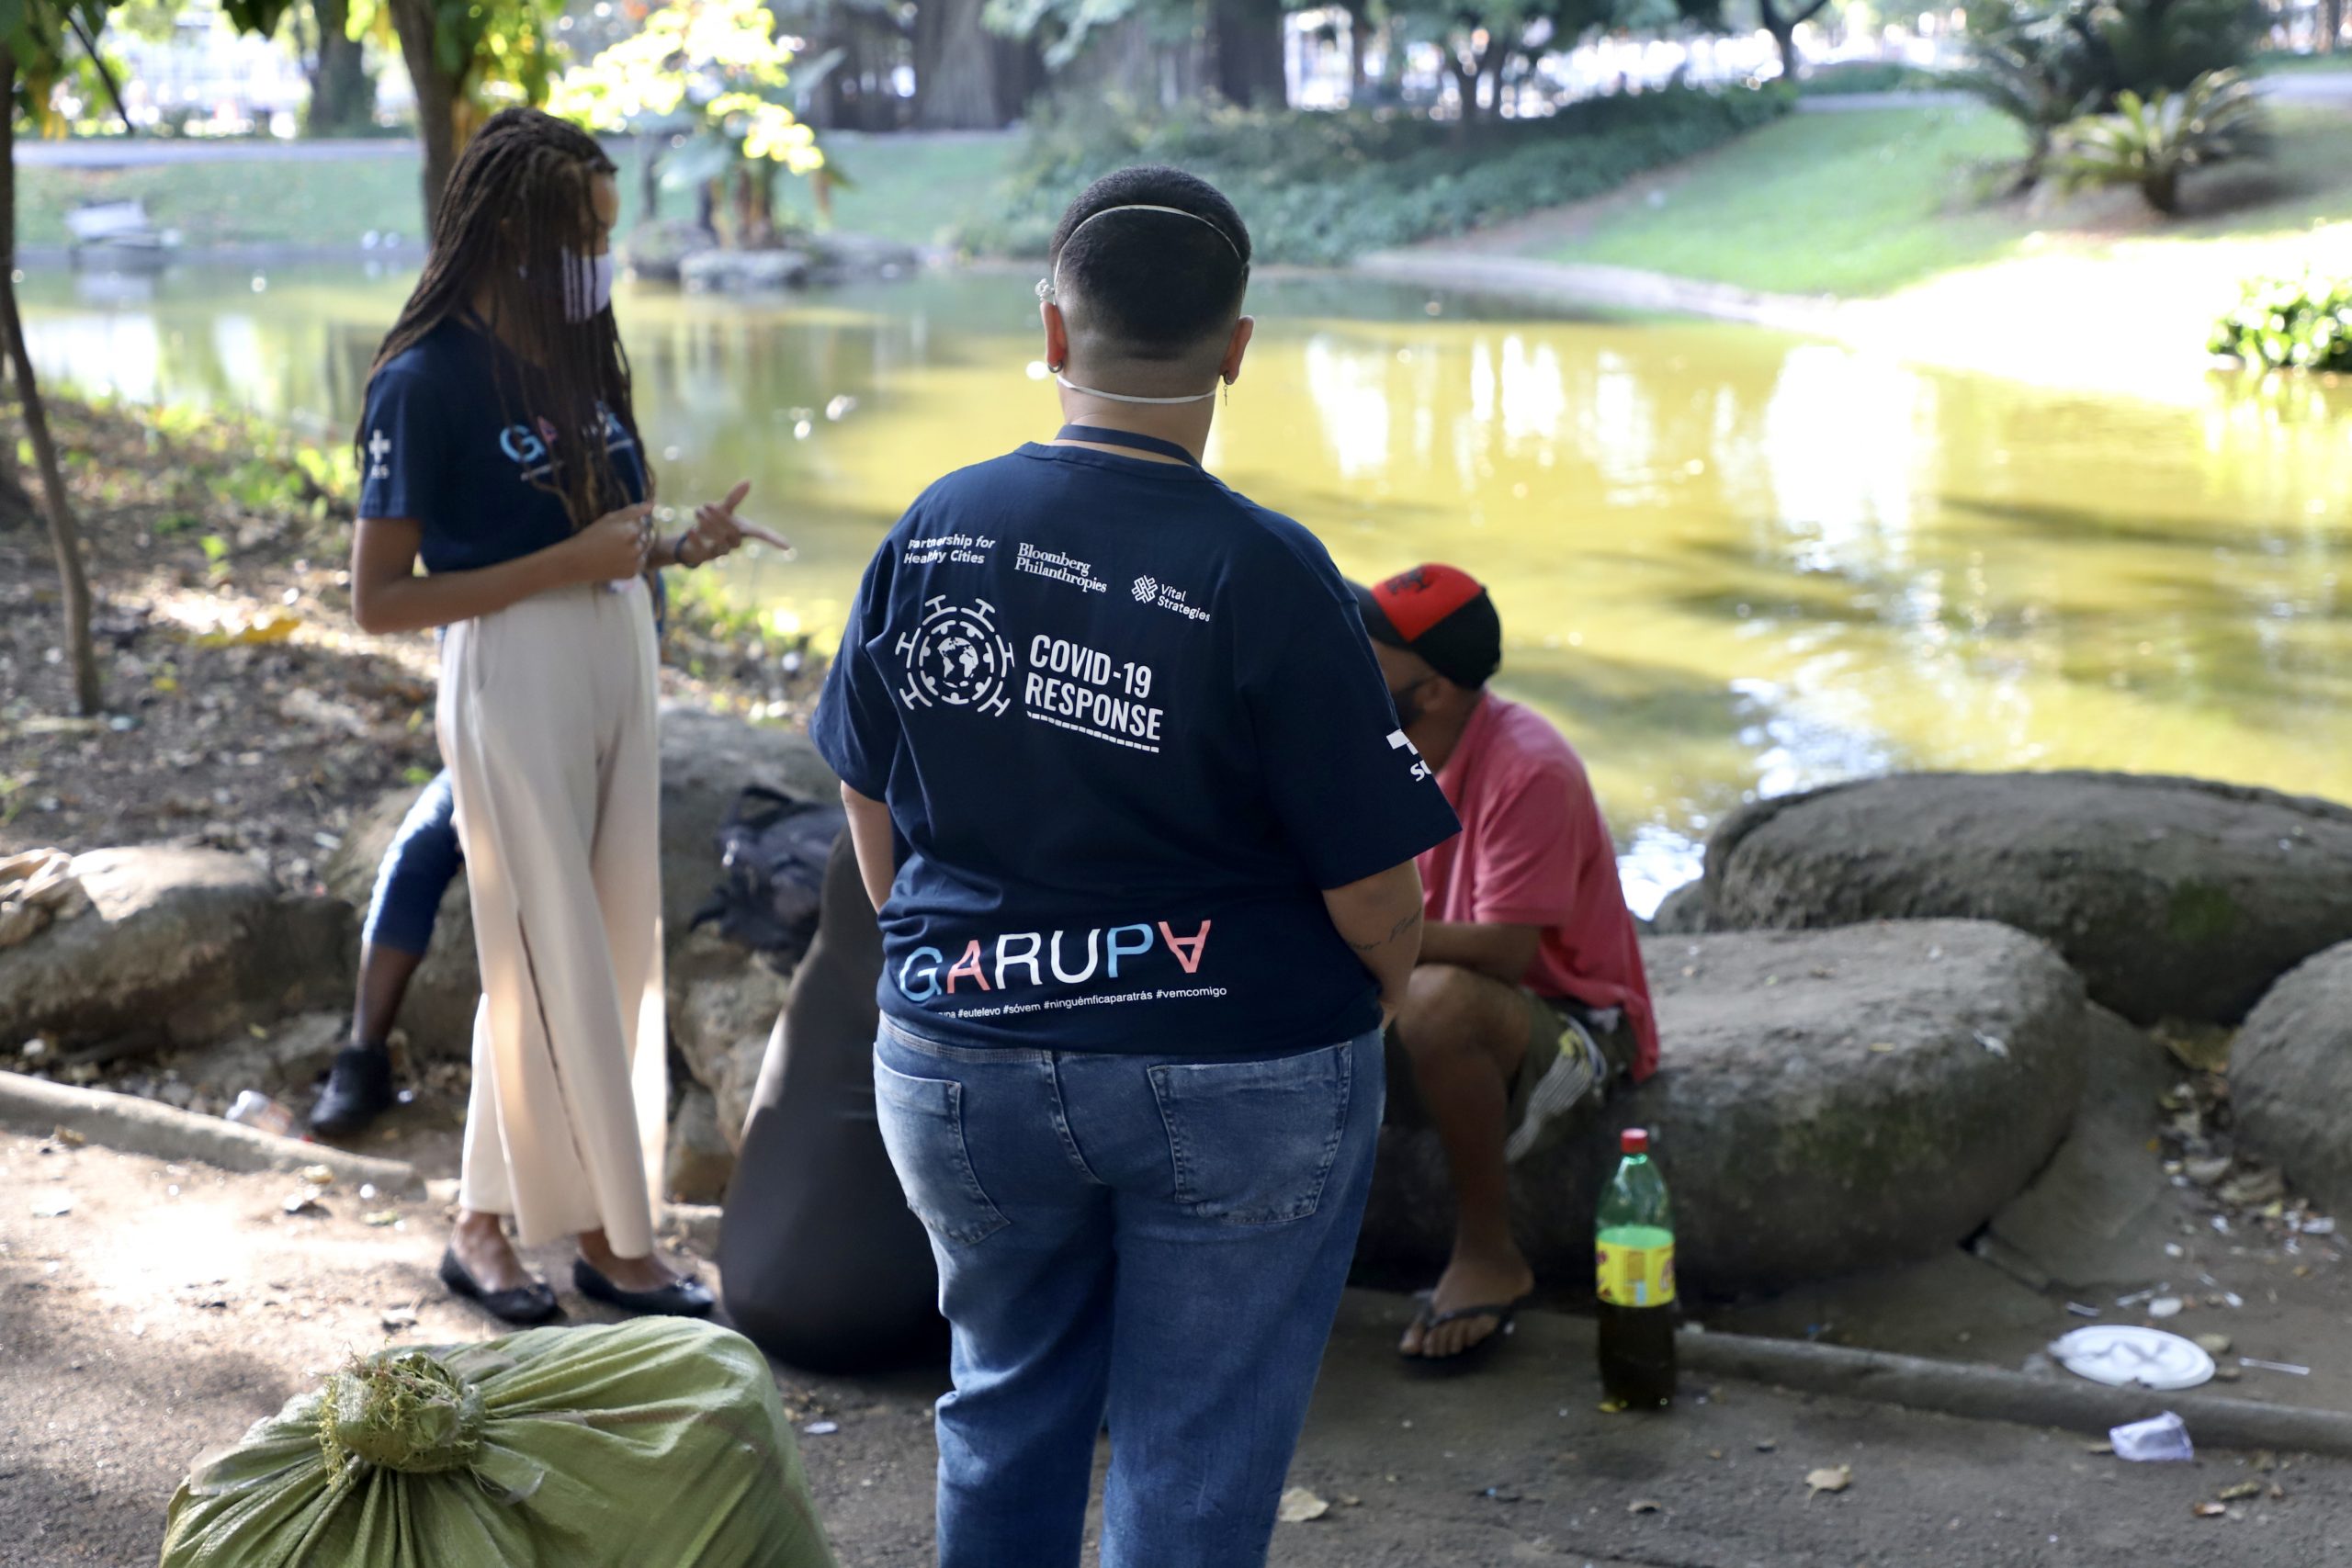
point(2153, 141)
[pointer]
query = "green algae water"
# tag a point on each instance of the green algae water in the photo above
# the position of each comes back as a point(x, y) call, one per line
point(1729, 562)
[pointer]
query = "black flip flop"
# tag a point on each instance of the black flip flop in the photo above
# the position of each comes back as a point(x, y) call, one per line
point(524, 1305)
point(1505, 1313)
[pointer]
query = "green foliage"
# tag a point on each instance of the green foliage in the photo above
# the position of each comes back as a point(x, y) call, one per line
point(1319, 188)
point(1849, 78)
point(711, 69)
point(2152, 142)
point(2283, 324)
point(2046, 64)
point(498, 54)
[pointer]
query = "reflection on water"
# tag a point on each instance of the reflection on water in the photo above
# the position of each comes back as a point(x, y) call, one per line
point(1729, 562)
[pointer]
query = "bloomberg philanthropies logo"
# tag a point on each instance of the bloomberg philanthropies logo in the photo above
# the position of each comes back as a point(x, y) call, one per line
point(1037, 953)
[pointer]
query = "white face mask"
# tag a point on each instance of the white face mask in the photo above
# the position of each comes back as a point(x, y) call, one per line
point(587, 284)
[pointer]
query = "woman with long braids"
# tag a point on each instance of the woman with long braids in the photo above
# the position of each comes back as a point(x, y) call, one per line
point(500, 447)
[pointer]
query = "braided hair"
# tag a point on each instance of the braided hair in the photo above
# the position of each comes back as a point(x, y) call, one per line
point(521, 196)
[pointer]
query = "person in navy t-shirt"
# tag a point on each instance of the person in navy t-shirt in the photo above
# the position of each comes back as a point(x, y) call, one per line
point(499, 448)
point(1129, 791)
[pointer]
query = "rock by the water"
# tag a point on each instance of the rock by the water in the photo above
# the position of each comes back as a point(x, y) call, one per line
point(723, 1002)
point(742, 272)
point(706, 760)
point(700, 1161)
point(2290, 1079)
point(655, 251)
point(843, 257)
point(2175, 898)
point(2099, 1215)
point(284, 1062)
point(178, 948)
point(1827, 1102)
point(1682, 912)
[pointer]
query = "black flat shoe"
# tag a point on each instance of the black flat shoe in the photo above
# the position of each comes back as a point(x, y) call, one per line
point(357, 1091)
point(684, 1297)
point(525, 1304)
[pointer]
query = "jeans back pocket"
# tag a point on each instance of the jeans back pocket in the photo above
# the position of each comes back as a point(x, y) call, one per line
point(922, 1128)
point(1253, 1143)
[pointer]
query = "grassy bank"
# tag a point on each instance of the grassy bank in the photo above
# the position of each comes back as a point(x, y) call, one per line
point(1860, 205)
point(903, 187)
point(1322, 189)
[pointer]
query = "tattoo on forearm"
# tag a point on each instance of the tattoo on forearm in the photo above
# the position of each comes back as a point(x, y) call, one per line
point(1397, 932)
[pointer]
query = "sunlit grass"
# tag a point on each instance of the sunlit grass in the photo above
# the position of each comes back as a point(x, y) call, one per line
point(1861, 204)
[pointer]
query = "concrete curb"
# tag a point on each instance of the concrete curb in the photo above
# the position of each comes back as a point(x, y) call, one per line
point(1993, 1394)
point(130, 1125)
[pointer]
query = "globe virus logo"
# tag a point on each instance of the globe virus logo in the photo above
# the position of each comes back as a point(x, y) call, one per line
point(1146, 590)
point(957, 658)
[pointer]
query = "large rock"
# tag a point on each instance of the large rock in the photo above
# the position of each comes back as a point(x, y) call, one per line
point(2099, 1213)
point(723, 1005)
point(708, 760)
point(1827, 1102)
point(2175, 898)
point(2291, 1077)
point(178, 948)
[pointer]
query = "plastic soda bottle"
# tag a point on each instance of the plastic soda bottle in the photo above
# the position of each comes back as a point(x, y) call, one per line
point(1634, 1256)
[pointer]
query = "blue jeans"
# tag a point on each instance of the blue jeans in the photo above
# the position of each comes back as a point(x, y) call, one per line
point(418, 866)
point(1160, 1240)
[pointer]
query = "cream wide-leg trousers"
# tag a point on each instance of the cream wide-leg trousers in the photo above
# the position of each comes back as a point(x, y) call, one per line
point(546, 723)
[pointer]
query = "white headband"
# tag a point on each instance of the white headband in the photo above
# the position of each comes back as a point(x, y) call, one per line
point(1049, 287)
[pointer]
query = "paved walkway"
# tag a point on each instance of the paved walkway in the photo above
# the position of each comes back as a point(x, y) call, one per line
point(172, 1304)
point(141, 151)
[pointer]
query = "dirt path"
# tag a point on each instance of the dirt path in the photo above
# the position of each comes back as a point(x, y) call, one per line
point(171, 1306)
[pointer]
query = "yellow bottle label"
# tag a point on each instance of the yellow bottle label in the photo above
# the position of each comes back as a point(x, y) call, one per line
point(1636, 1275)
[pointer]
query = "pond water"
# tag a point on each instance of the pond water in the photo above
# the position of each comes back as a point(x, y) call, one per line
point(1729, 562)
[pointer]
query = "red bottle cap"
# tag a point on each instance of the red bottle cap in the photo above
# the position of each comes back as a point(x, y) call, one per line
point(1636, 1141)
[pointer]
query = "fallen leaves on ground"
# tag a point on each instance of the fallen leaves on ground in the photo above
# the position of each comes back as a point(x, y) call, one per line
point(1299, 1505)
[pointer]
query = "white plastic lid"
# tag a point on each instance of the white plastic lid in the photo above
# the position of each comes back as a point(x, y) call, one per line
point(2124, 1354)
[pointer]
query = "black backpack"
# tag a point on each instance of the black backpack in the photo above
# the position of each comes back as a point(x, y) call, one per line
point(771, 854)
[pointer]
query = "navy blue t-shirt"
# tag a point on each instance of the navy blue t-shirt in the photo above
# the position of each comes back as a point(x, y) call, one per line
point(440, 445)
point(1129, 727)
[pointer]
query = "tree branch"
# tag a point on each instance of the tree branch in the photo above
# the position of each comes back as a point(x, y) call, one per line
point(113, 89)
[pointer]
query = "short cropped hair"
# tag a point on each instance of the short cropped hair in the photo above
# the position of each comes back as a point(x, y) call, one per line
point(1156, 284)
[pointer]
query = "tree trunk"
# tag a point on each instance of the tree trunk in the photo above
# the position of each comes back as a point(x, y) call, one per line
point(1358, 49)
point(2162, 187)
point(1466, 86)
point(89, 695)
point(956, 85)
point(437, 101)
point(343, 95)
point(1783, 24)
point(1491, 70)
point(1247, 43)
point(2331, 26)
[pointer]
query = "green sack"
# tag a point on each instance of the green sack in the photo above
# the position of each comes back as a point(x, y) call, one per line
point(655, 1442)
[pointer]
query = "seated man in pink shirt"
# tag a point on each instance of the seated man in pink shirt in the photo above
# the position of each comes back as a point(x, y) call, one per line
point(1530, 1000)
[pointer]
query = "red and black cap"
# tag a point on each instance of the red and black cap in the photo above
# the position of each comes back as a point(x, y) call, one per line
point(1440, 612)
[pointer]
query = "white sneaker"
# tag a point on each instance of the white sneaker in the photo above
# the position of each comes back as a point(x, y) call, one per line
point(1579, 1071)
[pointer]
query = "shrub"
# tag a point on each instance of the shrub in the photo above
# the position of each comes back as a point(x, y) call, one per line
point(1842, 78)
point(2152, 142)
point(2046, 64)
point(2291, 323)
point(1322, 188)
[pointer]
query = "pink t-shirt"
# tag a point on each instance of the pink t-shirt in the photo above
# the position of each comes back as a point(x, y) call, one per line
point(1534, 851)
